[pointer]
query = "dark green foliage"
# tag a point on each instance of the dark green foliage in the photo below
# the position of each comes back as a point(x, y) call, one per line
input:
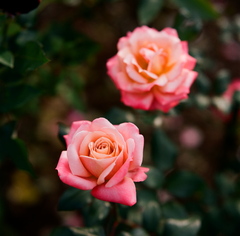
point(163, 150)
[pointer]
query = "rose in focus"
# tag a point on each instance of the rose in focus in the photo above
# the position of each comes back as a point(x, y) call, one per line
point(104, 158)
point(152, 69)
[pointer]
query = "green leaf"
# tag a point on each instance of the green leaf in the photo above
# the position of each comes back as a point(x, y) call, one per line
point(134, 215)
point(62, 130)
point(124, 234)
point(139, 232)
point(91, 231)
point(62, 231)
point(163, 151)
point(200, 8)
point(19, 156)
point(151, 216)
point(186, 227)
point(29, 57)
point(15, 96)
point(13, 29)
point(188, 27)
point(6, 58)
point(221, 82)
point(225, 184)
point(16, 151)
point(155, 178)
point(7, 129)
point(172, 209)
point(203, 83)
point(184, 184)
point(76, 231)
point(73, 199)
point(97, 212)
point(116, 116)
point(148, 10)
point(232, 207)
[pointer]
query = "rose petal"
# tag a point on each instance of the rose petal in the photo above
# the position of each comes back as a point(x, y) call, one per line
point(122, 172)
point(129, 130)
point(134, 75)
point(67, 177)
point(76, 126)
point(171, 31)
point(100, 123)
point(138, 174)
point(123, 192)
point(96, 166)
point(137, 100)
point(75, 163)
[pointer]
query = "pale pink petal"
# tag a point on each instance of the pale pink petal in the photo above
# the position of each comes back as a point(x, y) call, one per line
point(141, 34)
point(123, 192)
point(184, 46)
point(173, 85)
point(192, 75)
point(67, 177)
point(122, 172)
point(138, 174)
point(171, 31)
point(76, 126)
point(190, 62)
point(114, 135)
point(137, 100)
point(100, 123)
point(167, 98)
point(147, 53)
point(113, 67)
point(124, 82)
point(74, 161)
point(175, 71)
point(124, 41)
point(129, 130)
point(148, 74)
point(163, 107)
point(134, 75)
point(117, 165)
point(96, 166)
point(175, 51)
point(105, 173)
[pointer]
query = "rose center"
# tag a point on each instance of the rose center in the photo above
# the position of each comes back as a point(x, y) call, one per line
point(101, 148)
point(154, 59)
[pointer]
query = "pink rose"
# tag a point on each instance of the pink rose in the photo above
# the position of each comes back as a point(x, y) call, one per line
point(152, 69)
point(104, 158)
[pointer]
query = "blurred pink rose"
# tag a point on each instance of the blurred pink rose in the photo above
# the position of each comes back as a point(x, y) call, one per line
point(232, 88)
point(104, 158)
point(191, 137)
point(152, 69)
point(223, 104)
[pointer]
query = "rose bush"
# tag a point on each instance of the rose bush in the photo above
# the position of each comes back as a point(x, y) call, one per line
point(104, 158)
point(152, 69)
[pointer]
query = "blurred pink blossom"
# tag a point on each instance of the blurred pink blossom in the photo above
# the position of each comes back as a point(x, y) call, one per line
point(231, 51)
point(191, 137)
point(152, 69)
point(232, 88)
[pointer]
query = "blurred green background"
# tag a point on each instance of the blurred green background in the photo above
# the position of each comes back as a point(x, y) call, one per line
point(53, 72)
